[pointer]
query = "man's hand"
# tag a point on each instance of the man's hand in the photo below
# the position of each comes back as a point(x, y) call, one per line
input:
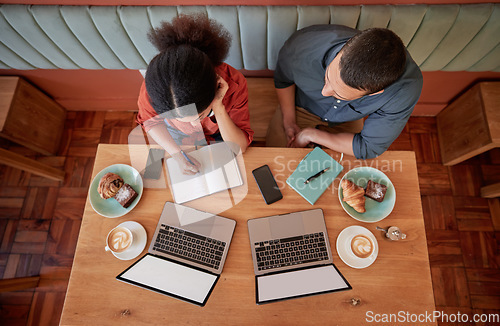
point(185, 166)
point(291, 131)
point(341, 143)
point(303, 138)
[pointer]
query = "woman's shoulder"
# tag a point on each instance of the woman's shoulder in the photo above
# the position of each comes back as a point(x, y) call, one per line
point(230, 74)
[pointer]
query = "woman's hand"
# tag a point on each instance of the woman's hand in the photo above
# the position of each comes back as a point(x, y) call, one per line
point(222, 88)
point(184, 164)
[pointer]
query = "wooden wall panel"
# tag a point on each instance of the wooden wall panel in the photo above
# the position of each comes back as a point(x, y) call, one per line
point(104, 90)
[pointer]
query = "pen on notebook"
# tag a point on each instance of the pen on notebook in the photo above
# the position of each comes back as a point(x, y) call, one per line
point(187, 158)
point(311, 178)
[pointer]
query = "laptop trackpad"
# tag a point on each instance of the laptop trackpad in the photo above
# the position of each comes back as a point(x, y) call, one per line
point(170, 278)
point(299, 283)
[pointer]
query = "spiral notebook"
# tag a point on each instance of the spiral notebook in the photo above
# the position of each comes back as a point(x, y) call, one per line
point(314, 162)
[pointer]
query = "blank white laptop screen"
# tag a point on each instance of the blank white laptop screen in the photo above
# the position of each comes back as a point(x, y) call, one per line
point(298, 283)
point(171, 278)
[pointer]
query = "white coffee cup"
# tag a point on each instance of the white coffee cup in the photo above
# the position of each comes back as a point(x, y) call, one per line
point(119, 240)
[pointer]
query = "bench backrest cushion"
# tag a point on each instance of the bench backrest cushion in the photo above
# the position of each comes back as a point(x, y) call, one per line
point(439, 37)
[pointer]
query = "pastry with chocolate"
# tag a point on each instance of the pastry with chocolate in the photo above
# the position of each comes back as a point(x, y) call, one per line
point(126, 195)
point(109, 185)
point(375, 191)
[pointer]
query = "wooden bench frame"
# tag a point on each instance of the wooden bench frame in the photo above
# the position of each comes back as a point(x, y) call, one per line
point(262, 101)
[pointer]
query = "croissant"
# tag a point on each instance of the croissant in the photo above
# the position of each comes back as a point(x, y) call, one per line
point(354, 195)
point(109, 185)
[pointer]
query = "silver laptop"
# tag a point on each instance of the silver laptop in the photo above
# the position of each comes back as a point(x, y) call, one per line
point(292, 257)
point(186, 254)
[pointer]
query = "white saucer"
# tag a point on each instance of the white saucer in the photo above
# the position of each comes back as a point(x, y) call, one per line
point(344, 247)
point(140, 239)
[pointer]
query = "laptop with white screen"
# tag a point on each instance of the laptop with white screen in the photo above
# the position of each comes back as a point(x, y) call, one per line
point(186, 255)
point(292, 257)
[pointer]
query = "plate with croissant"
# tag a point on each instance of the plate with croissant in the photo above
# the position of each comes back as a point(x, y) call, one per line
point(115, 190)
point(367, 194)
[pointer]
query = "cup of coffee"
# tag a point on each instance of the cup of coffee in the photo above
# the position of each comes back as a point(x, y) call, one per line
point(119, 239)
point(362, 246)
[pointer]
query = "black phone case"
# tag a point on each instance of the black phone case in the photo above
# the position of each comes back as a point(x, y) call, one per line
point(270, 191)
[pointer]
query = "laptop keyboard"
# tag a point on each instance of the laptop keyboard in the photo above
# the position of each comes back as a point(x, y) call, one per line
point(190, 246)
point(291, 251)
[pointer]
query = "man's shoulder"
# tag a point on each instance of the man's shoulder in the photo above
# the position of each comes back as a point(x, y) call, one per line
point(317, 39)
point(412, 79)
point(330, 31)
point(329, 27)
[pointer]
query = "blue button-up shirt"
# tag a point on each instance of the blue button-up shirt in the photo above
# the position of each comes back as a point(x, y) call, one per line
point(303, 60)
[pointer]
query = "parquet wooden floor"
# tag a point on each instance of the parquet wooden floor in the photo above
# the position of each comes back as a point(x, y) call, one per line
point(40, 219)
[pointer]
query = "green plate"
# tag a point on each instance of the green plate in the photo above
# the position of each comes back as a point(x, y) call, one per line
point(375, 211)
point(110, 207)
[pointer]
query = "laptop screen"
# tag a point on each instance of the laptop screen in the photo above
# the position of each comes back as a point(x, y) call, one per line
point(298, 283)
point(170, 278)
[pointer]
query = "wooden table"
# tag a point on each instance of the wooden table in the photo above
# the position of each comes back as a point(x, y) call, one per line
point(399, 282)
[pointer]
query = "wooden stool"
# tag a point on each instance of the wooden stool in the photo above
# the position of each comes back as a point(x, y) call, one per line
point(29, 117)
point(19, 283)
point(471, 124)
point(32, 119)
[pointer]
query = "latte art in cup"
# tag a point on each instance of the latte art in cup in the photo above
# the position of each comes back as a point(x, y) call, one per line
point(362, 246)
point(119, 239)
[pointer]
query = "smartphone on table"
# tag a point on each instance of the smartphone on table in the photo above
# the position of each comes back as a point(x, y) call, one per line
point(267, 184)
point(154, 163)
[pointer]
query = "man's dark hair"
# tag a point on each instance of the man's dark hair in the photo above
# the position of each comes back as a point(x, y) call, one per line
point(372, 60)
point(183, 72)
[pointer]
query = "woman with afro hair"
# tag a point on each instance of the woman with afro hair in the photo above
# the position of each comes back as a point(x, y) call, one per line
point(188, 87)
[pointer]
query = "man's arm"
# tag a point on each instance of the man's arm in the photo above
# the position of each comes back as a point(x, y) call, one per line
point(286, 99)
point(285, 90)
point(341, 143)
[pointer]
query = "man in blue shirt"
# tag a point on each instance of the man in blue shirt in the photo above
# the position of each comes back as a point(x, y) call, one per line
point(333, 76)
